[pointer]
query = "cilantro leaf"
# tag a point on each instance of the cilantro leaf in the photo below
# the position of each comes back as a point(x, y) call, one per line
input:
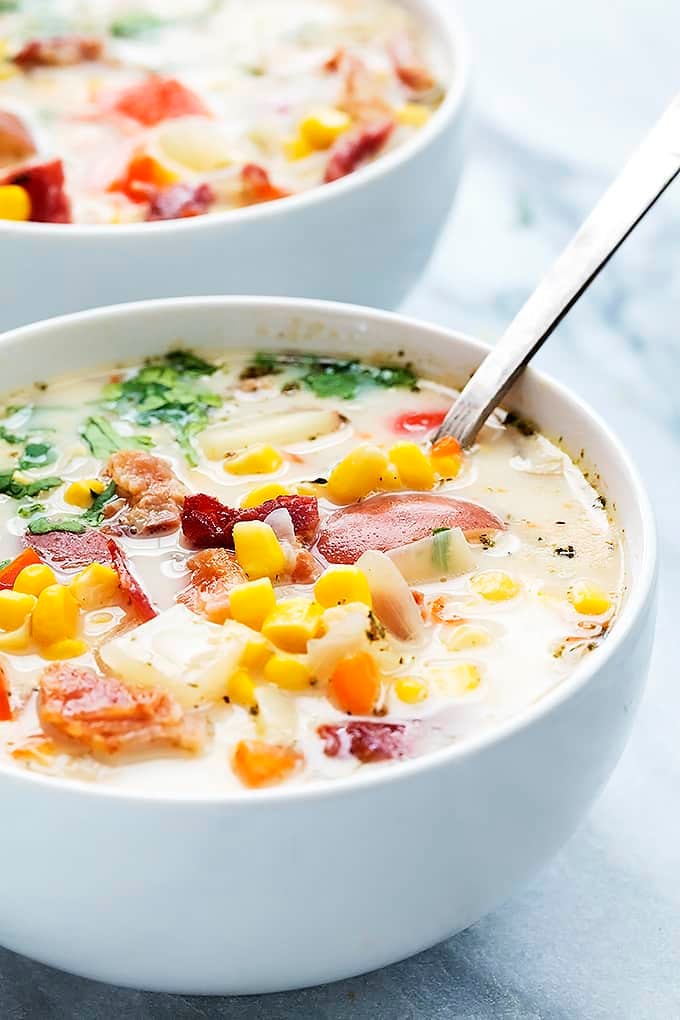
point(95, 514)
point(19, 490)
point(62, 522)
point(332, 377)
point(103, 440)
point(30, 509)
point(11, 437)
point(37, 455)
point(135, 23)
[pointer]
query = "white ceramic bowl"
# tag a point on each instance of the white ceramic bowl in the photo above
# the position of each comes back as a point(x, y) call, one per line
point(365, 238)
point(282, 888)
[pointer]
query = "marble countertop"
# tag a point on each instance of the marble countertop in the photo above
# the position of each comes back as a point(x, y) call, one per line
point(562, 95)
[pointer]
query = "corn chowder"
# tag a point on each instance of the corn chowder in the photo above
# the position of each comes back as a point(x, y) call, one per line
point(226, 573)
point(117, 111)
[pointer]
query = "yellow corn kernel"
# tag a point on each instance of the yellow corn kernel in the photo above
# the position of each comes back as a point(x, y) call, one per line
point(16, 640)
point(258, 550)
point(297, 148)
point(260, 460)
point(252, 602)
point(95, 587)
point(495, 585)
point(321, 127)
point(241, 689)
point(271, 490)
point(464, 635)
point(413, 115)
point(341, 584)
point(357, 474)
point(391, 482)
point(83, 492)
point(292, 624)
point(288, 672)
point(589, 599)
point(68, 648)
point(15, 203)
point(256, 653)
point(458, 678)
point(414, 468)
point(410, 690)
point(15, 606)
point(55, 617)
point(31, 580)
point(446, 465)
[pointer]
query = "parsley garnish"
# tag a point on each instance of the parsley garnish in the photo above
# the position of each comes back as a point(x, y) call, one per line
point(37, 455)
point(103, 440)
point(11, 437)
point(19, 490)
point(332, 377)
point(75, 523)
point(30, 509)
point(168, 391)
point(135, 23)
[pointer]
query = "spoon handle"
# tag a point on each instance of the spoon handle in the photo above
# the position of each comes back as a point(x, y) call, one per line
point(643, 179)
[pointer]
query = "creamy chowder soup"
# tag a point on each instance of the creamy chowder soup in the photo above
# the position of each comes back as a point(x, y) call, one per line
point(114, 111)
point(241, 571)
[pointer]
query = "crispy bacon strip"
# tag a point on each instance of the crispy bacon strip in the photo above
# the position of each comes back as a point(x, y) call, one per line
point(59, 51)
point(367, 741)
point(408, 68)
point(45, 186)
point(207, 522)
point(355, 147)
point(16, 141)
point(153, 493)
point(103, 715)
point(214, 572)
point(362, 91)
point(180, 201)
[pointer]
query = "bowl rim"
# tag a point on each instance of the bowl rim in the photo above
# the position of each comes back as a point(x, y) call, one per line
point(445, 22)
point(636, 602)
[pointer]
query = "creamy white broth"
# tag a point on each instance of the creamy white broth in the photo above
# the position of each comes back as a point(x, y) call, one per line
point(558, 534)
point(256, 71)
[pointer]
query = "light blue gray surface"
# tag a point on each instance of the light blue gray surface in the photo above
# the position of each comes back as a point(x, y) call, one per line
point(563, 93)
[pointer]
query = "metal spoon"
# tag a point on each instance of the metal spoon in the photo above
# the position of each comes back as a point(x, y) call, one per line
point(646, 176)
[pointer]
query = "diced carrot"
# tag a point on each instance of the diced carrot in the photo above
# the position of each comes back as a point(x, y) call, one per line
point(259, 764)
point(355, 684)
point(158, 99)
point(10, 573)
point(143, 177)
point(5, 709)
point(447, 446)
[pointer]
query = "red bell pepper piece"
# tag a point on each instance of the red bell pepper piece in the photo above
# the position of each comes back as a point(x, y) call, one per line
point(158, 99)
point(356, 147)
point(418, 421)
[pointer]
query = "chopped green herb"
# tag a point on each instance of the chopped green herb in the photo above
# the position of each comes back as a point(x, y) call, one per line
point(332, 377)
point(37, 455)
point(567, 551)
point(167, 391)
point(135, 23)
point(7, 6)
point(62, 522)
point(11, 437)
point(488, 542)
point(19, 490)
point(95, 514)
point(4, 563)
point(103, 440)
point(30, 509)
point(525, 428)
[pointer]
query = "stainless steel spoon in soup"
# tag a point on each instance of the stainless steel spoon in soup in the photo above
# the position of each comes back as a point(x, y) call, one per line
point(644, 178)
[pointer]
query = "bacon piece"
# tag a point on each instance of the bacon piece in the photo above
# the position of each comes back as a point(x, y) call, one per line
point(207, 522)
point(103, 715)
point(305, 569)
point(45, 186)
point(153, 492)
point(67, 551)
point(157, 99)
point(335, 60)
point(410, 71)
point(16, 141)
point(140, 604)
point(256, 186)
point(355, 147)
point(214, 572)
point(181, 201)
point(367, 741)
point(385, 522)
point(143, 177)
point(59, 51)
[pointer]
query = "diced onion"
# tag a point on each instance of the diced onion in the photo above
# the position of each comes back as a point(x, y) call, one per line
point(393, 602)
point(444, 554)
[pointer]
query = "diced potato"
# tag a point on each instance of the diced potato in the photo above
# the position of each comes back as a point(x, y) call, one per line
point(444, 554)
point(178, 651)
point(281, 429)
